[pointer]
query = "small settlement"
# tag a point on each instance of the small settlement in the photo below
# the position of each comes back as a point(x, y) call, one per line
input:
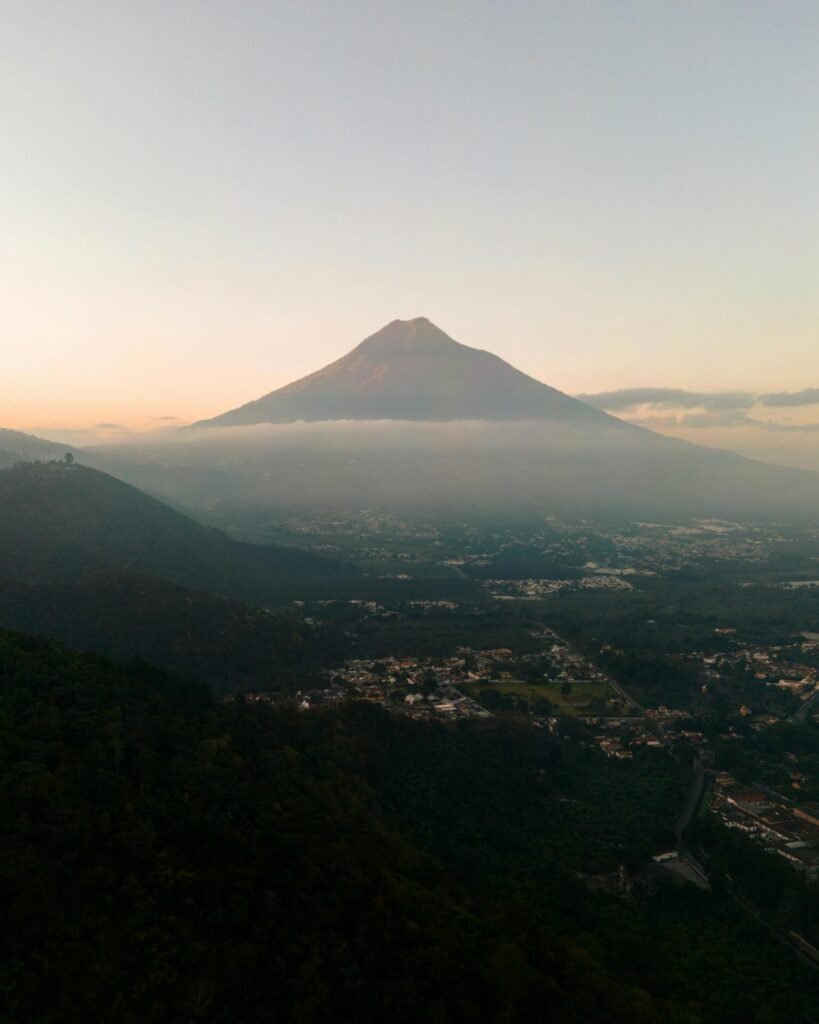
point(774, 822)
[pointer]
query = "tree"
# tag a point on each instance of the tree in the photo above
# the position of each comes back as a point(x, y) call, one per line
point(69, 459)
point(543, 706)
point(566, 688)
point(429, 681)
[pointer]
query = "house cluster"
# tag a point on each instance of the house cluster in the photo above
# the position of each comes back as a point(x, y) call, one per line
point(676, 727)
point(620, 737)
point(448, 687)
point(568, 664)
point(661, 547)
point(657, 727)
point(779, 825)
point(532, 589)
point(770, 680)
point(417, 687)
point(775, 665)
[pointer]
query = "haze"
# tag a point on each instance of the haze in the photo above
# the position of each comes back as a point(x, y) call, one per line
point(201, 202)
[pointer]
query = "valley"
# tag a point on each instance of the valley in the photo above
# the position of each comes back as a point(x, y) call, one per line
point(575, 736)
point(409, 524)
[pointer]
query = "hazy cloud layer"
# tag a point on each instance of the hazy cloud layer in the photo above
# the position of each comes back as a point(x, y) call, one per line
point(809, 396)
point(669, 398)
point(791, 427)
point(703, 420)
point(712, 409)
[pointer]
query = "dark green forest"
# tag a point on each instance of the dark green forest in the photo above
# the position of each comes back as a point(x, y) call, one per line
point(169, 857)
point(227, 645)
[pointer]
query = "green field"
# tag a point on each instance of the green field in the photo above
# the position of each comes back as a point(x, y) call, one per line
point(583, 694)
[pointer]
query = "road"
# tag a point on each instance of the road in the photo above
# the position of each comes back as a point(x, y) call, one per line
point(692, 801)
point(811, 705)
point(618, 689)
point(695, 870)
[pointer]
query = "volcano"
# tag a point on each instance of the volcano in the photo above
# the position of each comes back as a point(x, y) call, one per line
point(469, 431)
point(412, 370)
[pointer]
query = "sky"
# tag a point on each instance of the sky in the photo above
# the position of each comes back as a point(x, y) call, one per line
point(201, 201)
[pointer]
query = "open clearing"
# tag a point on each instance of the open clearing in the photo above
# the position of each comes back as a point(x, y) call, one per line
point(584, 693)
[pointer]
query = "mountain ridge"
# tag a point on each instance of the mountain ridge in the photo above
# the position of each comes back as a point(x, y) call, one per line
point(61, 522)
point(17, 446)
point(91, 561)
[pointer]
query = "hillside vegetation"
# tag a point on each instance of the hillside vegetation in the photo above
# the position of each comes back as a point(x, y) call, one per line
point(61, 522)
point(91, 561)
point(167, 858)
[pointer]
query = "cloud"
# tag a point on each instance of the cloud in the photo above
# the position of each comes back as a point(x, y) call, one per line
point(630, 398)
point(698, 420)
point(109, 426)
point(656, 422)
point(669, 398)
point(783, 399)
point(675, 408)
point(718, 418)
point(790, 428)
point(166, 419)
point(726, 400)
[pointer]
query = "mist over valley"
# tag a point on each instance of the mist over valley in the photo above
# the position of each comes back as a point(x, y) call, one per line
point(412, 419)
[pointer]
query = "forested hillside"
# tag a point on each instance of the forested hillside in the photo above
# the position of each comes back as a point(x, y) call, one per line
point(169, 858)
point(97, 564)
point(227, 645)
point(60, 522)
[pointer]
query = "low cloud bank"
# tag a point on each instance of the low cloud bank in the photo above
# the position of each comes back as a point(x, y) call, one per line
point(808, 396)
point(700, 409)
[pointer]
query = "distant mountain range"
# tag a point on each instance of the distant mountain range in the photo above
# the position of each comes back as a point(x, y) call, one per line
point(92, 561)
point(412, 370)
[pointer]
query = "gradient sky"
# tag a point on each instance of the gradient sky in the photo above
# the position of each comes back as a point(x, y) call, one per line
point(200, 201)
